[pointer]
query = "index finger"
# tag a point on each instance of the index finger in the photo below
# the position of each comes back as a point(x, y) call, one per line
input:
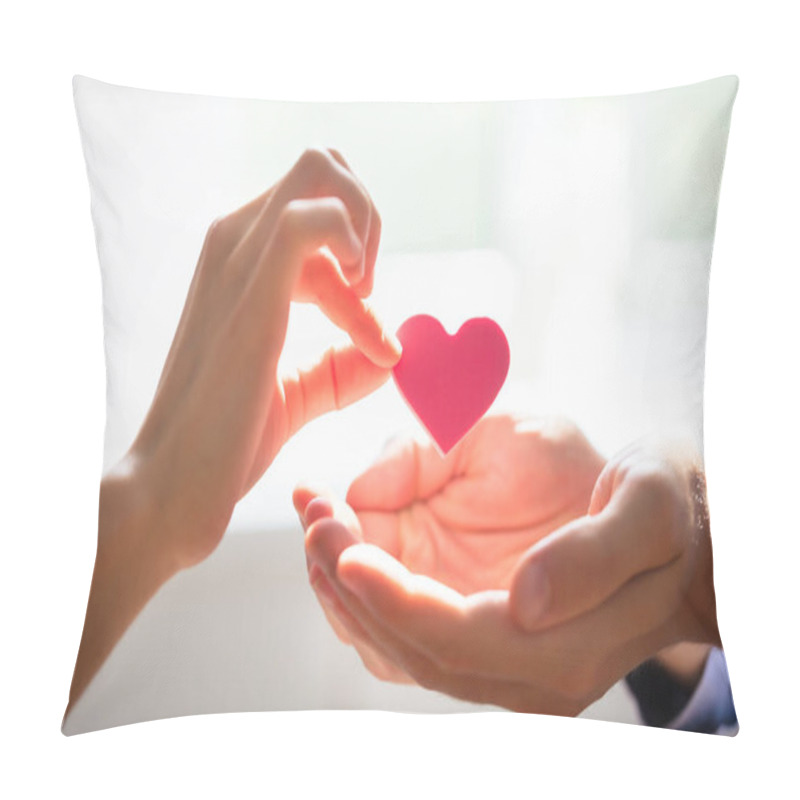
point(475, 635)
point(345, 309)
point(433, 618)
point(316, 174)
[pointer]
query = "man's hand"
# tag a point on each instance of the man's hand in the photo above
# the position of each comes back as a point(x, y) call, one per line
point(464, 520)
point(519, 571)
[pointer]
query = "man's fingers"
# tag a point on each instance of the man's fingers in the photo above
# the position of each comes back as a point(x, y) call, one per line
point(345, 309)
point(419, 609)
point(381, 529)
point(472, 635)
point(326, 597)
point(303, 494)
point(408, 470)
point(380, 666)
point(447, 642)
point(346, 627)
point(326, 539)
point(325, 542)
point(445, 671)
point(350, 631)
point(483, 657)
point(375, 527)
point(342, 376)
point(391, 648)
point(470, 647)
point(581, 565)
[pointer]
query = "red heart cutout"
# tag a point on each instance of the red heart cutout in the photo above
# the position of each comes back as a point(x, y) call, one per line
point(450, 381)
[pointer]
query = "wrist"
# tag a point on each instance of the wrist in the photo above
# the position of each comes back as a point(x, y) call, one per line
point(131, 565)
point(696, 619)
point(700, 597)
point(133, 525)
point(187, 509)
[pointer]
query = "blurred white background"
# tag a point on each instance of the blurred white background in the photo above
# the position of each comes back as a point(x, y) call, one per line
point(584, 227)
point(53, 401)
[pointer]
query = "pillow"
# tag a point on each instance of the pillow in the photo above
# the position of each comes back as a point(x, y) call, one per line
point(584, 227)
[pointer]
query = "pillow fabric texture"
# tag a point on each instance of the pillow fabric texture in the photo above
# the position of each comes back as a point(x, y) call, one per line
point(584, 227)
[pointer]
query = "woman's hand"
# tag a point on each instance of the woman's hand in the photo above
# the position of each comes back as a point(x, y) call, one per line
point(221, 411)
point(568, 613)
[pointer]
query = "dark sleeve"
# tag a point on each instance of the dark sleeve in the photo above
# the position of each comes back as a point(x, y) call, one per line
point(666, 703)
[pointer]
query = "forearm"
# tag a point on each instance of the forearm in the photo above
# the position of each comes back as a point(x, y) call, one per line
point(130, 566)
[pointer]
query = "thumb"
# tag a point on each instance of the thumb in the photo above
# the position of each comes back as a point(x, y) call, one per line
point(582, 564)
point(342, 376)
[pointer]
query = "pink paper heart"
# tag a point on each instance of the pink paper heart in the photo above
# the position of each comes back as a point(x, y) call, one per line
point(450, 381)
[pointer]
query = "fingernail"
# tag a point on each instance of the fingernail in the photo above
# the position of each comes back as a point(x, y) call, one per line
point(325, 541)
point(387, 336)
point(533, 595)
point(318, 508)
point(394, 343)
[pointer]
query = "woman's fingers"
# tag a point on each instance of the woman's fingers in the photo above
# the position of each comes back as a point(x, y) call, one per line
point(316, 174)
point(342, 376)
point(302, 228)
point(581, 565)
point(261, 316)
point(364, 286)
point(345, 309)
point(318, 207)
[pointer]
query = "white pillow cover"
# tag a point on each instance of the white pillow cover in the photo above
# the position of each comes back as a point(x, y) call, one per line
point(584, 226)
